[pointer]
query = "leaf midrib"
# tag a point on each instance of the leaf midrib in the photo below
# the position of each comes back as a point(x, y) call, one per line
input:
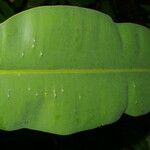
point(70, 71)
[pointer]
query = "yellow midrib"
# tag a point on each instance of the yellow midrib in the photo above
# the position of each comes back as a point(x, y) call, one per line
point(70, 71)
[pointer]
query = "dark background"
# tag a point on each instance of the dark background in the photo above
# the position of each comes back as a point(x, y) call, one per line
point(137, 11)
point(129, 133)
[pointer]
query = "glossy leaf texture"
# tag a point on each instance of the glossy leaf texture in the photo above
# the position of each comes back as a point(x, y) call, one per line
point(65, 69)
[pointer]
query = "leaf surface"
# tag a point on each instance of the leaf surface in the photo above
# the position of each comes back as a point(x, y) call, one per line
point(66, 69)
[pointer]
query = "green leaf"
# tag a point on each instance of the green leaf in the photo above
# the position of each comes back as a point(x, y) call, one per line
point(68, 69)
point(136, 46)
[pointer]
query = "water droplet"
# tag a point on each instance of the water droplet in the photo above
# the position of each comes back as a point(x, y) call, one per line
point(29, 89)
point(41, 54)
point(62, 90)
point(54, 93)
point(79, 96)
point(33, 45)
point(22, 54)
point(134, 85)
point(8, 93)
point(34, 40)
point(45, 93)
